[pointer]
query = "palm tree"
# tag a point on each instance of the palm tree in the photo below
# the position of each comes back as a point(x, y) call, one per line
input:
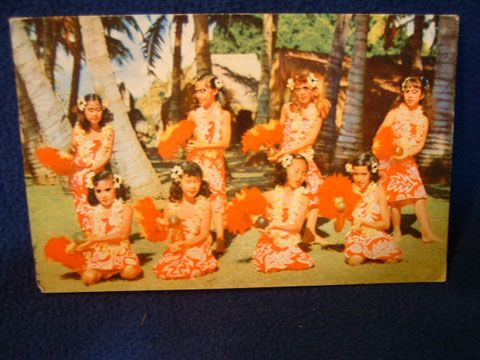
point(129, 160)
point(350, 139)
point(333, 75)
point(417, 44)
point(270, 22)
point(202, 44)
point(174, 111)
point(54, 126)
point(31, 137)
point(438, 147)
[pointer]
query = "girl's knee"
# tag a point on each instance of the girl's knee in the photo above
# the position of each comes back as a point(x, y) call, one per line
point(355, 260)
point(131, 272)
point(91, 277)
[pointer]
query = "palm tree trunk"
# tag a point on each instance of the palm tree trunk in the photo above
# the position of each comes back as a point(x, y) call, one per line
point(174, 111)
point(202, 44)
point(49, 49)
point(77, 63)
point(438, 147)
point(32, 139)
point(328, 135)
point(350, 141)
point(55, 129)
point(269, 32)
point(129, 160)
point(417, 44)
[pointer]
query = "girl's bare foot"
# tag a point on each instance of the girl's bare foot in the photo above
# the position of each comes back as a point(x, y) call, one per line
point(431, 238)
point(397, 234)
point(321, 241)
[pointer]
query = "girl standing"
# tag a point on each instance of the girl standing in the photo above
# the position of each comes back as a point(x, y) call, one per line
point(302, 119)
point(278, 247)
point(188, 215)
point(91, 148)
point(409, 121)
point(367, 238)
point(211, 138)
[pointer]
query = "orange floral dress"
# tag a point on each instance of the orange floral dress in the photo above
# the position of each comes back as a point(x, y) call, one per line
point(194, 261)
point(367, 242)
point(400, 178)
point(278, 249)
point(108, 258)
point(90, 153)
point(296, 128)
point(212, 161)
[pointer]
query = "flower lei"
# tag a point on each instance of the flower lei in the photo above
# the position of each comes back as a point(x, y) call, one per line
point(114, 219)
point(287, 161)
point(204, 124)
point(295, 204)
point(176, 173)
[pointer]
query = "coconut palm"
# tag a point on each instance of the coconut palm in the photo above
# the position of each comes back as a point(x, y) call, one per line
point(128, 158)
point(350, 139)
point(417, 44)
point(270, 22)
point(333, 75)
point(438, 147)
point(54, 126)
point(202, 44)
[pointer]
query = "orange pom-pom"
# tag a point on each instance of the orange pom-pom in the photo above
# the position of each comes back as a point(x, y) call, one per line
point(55, 161)
point(148, 215)
point(174, 137)
point(267, 135)
point(246, 203)
point(335, 187)
point(56, 250)
point(384, 143)
point(254, 203)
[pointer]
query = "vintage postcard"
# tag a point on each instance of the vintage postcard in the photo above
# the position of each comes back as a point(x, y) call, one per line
point(212, 151)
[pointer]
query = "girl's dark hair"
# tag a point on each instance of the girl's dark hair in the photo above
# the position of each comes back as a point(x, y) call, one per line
point(107, 116)
point(280, 175)
point(369, 160)
point(224, 97)
point(122, 192)
point(422, 83)
point(189, 168)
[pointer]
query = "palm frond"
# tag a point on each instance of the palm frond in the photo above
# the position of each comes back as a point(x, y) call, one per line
point(153, 41)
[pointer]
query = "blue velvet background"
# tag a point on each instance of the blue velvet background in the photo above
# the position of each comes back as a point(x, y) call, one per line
point(375, 321)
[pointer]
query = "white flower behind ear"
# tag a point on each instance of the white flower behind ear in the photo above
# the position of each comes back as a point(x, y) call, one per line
point(287, 161)
point(81, 103)
point(374, 166)
point(218, 83)
point(348, 168)
point(117, 181)
point(104, 104)
point(89, 180)
point(312, 81)
point(177, 173)
point(290, 84)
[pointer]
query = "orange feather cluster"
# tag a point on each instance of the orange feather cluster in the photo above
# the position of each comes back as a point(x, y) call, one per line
point(53, 159)
point(260, 135)
point(336, 186)
point(247, 203)
point(148, 215)
point(174, 137)
point(384, 143)
point(56, 250)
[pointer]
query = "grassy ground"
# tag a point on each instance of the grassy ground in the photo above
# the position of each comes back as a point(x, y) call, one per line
point(52, 214)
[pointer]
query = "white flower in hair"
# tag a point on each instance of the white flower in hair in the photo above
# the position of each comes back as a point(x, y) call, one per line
point(89, 179)
point(291, 84)
point(287, 160)
point(374, 166)
point(104, 104)
point(312, 81)
point(348, 168)
point(81, 103)
point(218, 83)
point(117, 181)
point(177, 173)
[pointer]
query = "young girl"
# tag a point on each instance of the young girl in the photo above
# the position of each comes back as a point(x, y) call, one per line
point(91, 147)
point(278, 247)
point(367, 238)
point(188, 215)
point(302, 119)
point(107, 249)
point(211, 138)
point(409, 120)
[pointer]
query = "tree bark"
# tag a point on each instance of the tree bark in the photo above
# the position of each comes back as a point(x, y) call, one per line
point(202, 44)
point(128, 158)
point(350, 139)
point(328, 135)
point(438, 146)
point(417, 44)
point(76, 68)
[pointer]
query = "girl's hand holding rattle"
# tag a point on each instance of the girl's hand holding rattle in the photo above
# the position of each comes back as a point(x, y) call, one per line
point(339, 204)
